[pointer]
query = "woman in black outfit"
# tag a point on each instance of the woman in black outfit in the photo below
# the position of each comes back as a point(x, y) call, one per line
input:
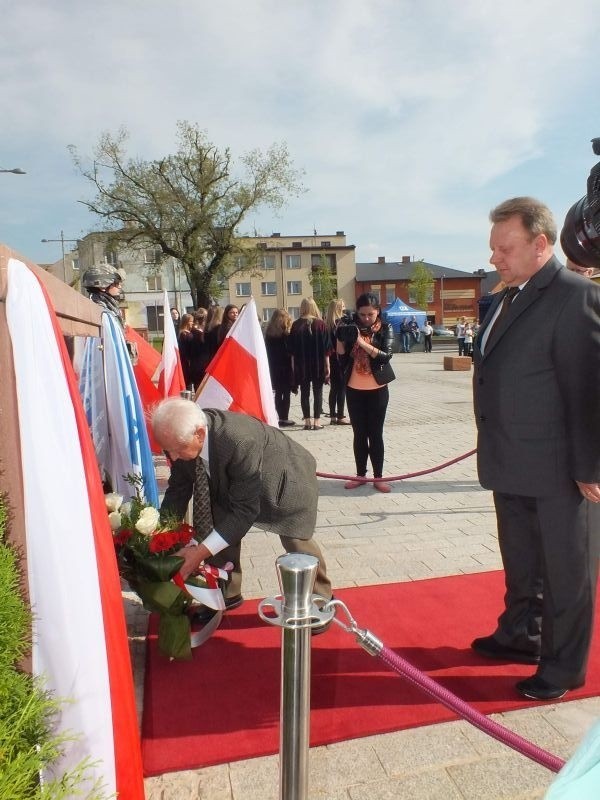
point(310, 346)
point(280, 363)
point(337, 387)
point(365, 349)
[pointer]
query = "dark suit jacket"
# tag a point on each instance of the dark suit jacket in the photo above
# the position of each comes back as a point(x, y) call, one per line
point(258, 476)
point(537, 388)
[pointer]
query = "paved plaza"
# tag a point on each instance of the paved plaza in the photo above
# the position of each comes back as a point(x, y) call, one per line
point(434, 525)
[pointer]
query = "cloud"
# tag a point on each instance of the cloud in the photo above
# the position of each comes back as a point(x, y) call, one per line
point(404, 115)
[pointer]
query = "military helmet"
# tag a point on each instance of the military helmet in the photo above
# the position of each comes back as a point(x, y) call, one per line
point(100, 278)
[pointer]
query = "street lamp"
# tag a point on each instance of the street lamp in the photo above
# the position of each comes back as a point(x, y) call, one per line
point(15, 171)
point(62, 241)
point(442, 298)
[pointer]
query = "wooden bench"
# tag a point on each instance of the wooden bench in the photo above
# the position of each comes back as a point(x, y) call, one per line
point(455, 363)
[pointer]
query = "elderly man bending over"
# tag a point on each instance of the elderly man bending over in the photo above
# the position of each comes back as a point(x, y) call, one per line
point(256, 476)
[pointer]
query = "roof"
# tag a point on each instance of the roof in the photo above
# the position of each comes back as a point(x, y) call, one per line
point(490, 282)
point(399, 270)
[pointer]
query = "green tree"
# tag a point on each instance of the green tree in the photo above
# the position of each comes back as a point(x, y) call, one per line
point(323, 283)
point(421, 284)
point(190, 204)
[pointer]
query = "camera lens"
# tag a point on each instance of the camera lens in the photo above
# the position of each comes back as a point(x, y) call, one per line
point(580, 236)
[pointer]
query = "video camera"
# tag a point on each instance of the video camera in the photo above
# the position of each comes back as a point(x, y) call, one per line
point(580, 236)
point(349, 327)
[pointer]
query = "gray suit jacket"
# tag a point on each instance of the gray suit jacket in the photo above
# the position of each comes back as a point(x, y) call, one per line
point(537, 388)
point(258, 476)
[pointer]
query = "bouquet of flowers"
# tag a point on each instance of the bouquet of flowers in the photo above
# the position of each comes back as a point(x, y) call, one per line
point(146, 555)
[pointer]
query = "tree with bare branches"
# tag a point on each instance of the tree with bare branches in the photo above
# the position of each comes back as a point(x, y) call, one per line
point(190, 204)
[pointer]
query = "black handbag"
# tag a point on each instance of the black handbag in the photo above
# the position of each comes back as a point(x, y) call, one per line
point(383, 373)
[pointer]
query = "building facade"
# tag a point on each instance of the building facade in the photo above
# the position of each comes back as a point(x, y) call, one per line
point(281, 278)
point(147, 276)
point(454, 293)
point(277, 278)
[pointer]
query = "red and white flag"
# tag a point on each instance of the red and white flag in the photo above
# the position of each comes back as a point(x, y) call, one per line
point(79, 638)
point(170, 375)
point(238, 379)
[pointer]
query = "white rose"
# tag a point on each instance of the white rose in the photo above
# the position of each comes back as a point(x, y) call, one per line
point(114, 519)
point(126, 509)
point(148, 521)
point(113, 501)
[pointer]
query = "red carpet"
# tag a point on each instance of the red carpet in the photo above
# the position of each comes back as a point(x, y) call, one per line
point(224, 705)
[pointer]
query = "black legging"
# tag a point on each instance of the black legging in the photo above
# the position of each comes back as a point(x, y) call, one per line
point(282, 401)
point(367, 409)
point(337, 391)
point(317, 387)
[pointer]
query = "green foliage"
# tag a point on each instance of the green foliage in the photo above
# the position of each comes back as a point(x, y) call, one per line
point(28, 714)
point(421, 284)
point(324, 284)
point(190, 204)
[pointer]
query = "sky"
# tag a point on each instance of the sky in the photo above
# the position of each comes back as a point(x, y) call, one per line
point(410, 119)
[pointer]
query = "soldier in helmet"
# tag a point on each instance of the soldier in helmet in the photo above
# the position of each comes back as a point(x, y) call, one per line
point(103, 285)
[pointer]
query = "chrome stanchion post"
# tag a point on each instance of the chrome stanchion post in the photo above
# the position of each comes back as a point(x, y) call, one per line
point(297, 612)
point(296, 574)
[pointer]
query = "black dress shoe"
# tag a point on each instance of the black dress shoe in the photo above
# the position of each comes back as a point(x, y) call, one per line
point(538, 689)
point(491, 648)
point(204, 613)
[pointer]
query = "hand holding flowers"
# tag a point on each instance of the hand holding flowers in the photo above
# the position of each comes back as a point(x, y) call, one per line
point(149, 555)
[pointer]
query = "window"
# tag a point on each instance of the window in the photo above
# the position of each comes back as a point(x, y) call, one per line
point(262, 245)
point(325, 244)
point(267, 313)
point(243, 289)
point(154, 283)
point(292, 262)
point(294, 287)
point(297, 244)
point(155, 316)
point(267, 262)
point(241, 262)
point(268, 287)
point(327, 259)
point(376, 290)
point(152, 255)
point(390, 294)
point(110, 257)
point(294, 311)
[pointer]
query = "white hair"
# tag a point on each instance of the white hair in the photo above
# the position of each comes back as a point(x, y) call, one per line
point(178, 419)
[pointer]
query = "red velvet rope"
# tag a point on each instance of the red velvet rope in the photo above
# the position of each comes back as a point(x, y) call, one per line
point(397, 477)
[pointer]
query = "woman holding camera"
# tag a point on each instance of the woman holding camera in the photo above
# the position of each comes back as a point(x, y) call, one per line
point(364, 350)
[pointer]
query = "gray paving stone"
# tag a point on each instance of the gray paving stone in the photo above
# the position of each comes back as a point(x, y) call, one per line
point(435, 785)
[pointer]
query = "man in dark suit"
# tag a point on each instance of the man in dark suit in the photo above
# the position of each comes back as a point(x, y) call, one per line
point(537, 408)
point(256, 476)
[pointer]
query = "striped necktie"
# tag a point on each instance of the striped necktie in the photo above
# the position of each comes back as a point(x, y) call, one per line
point(202, 511)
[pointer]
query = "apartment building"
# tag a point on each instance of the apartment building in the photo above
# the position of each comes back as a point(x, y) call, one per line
point(280, 278)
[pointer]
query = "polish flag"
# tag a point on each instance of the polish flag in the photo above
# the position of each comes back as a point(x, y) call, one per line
point(238, 379)
point(170, 376)
point(79, 638)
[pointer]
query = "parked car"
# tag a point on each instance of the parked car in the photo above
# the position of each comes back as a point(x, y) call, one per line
point(439, 330)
